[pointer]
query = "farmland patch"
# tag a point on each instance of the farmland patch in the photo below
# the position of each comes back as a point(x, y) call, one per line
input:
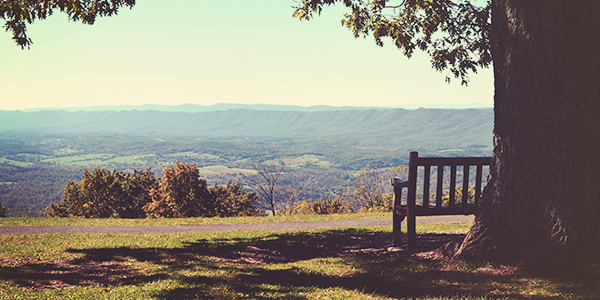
point(306, 160)
point(195, 155)
point(15, 162)
point(225, 170)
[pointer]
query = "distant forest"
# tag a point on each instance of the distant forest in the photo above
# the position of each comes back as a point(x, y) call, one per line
point(322, 150)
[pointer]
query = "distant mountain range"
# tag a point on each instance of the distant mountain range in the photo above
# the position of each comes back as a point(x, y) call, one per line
point(342, 127)
point(192, 108)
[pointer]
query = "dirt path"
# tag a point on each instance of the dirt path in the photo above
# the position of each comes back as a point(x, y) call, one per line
point(222, 227)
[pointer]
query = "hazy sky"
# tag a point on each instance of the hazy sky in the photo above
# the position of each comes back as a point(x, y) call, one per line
point(207, 52)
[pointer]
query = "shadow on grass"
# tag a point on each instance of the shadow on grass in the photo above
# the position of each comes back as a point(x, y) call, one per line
point(291, 265)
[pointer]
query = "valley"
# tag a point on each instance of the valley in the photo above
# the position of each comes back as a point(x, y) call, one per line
point(322, 150)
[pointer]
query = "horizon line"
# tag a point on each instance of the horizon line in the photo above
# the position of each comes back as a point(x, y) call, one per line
point(227, 106)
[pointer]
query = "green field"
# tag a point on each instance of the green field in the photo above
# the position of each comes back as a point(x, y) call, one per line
point(344, 263)
point(64, 151)
point(83, 159)
point(305, 160)
point(4, 160)
point(131, 159)
point(194, 155)
point(183, 221)
point(220, 169)
point(87, 160)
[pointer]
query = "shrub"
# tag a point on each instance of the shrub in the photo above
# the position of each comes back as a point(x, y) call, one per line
point(319, 207)
point(371, 186)
point(105, 194)
point(457, 195)
point(231, 200)
point(378, 203)
point(180, 193)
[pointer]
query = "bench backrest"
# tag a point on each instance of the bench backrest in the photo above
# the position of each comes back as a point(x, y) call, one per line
point(453, 207)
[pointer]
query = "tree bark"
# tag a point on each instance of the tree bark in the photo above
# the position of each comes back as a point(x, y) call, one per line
point(541, 208)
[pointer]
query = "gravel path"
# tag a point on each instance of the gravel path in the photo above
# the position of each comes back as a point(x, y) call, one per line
point(223, 227)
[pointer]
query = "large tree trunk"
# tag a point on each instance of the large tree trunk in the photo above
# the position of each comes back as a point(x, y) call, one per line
point(541, 207)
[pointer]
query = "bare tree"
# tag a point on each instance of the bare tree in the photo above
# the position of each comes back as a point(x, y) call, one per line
point(371, 189)
point(268, 182)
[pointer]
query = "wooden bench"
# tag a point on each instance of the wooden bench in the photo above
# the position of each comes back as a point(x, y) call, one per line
point(412, 209)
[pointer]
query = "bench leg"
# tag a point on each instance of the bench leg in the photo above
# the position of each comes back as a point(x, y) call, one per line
point(397, 218)
point(411, 232)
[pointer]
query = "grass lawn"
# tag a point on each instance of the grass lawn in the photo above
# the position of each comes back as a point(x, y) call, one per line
point(345, 263)
point(183, 221)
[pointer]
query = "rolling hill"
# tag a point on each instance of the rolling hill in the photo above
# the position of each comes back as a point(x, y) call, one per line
point(324, 149)
point(378, 128)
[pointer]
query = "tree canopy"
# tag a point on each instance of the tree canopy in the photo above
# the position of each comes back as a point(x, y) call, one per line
point(18, 14)
point(454, 33)
point(545, 108)
point(180, 193)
